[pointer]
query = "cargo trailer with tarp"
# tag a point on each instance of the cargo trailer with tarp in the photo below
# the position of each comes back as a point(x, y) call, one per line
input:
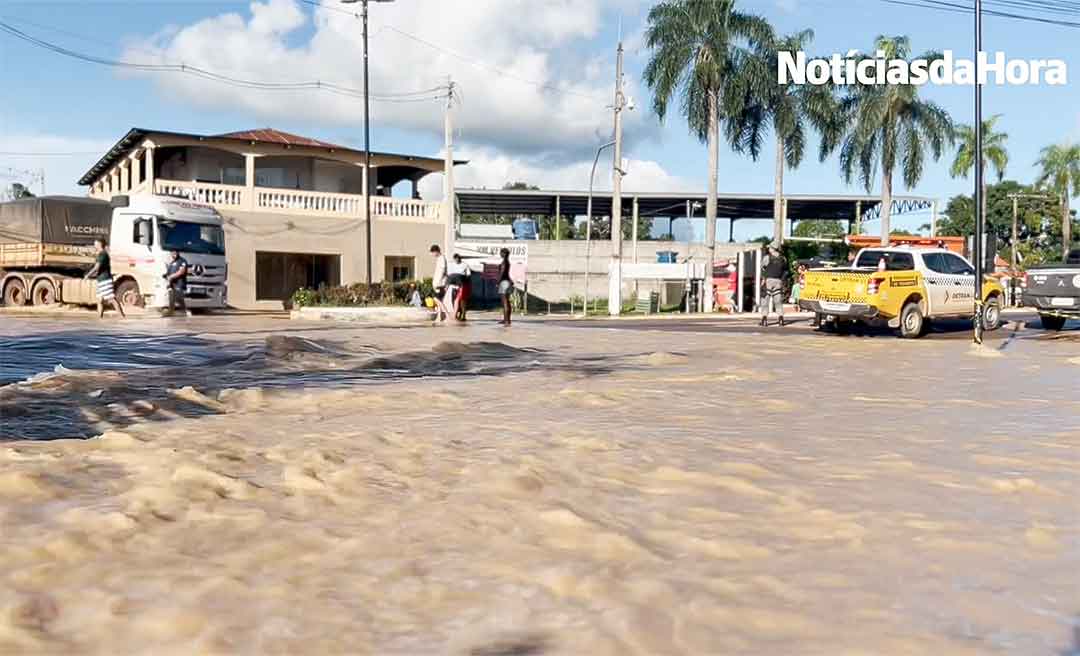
point(52, 231)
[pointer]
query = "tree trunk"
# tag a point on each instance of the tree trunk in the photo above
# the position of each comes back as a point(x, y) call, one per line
point(778, 197)
point(710, 199)
point(1066, 224)
point(886, 206)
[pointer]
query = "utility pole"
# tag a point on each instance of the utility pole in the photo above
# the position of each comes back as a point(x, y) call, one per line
point(979, 218)
point(615, 267)
point(449, 204)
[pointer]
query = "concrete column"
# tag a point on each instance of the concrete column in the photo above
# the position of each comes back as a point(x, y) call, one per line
point(933, 221)
point(858, 217)
point(136, 170)
point(150, 169)
point(731, 230)
point(558, 218)
point(635, 228)
point(249, 181)
point(125, 177)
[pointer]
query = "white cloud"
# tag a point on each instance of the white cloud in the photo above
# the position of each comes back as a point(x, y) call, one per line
point(542, 42)
point(61, 170)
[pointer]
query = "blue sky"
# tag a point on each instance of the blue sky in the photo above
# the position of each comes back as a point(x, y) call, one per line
point(499, 51)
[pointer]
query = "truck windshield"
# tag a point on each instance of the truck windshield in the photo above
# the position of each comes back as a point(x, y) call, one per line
point(191, 237)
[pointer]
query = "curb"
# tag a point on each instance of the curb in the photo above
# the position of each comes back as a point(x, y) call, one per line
point(371, 315)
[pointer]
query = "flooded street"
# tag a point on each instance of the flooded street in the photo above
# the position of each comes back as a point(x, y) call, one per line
point(265, 486)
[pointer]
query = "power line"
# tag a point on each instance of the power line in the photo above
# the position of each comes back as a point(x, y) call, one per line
point(954, 7)
point(423, 95)
point(7, 153)
point(464, 58)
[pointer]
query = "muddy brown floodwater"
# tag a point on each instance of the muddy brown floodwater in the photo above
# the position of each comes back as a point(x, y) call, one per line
point(613, 492)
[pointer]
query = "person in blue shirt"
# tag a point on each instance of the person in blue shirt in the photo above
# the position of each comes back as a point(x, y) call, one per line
point(176, 276)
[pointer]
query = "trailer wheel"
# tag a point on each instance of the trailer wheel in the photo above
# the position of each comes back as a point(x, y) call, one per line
point(128, 293)
point(15, 292)
point(43, 292)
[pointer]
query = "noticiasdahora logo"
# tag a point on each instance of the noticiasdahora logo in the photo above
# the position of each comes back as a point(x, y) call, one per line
point(856, 68)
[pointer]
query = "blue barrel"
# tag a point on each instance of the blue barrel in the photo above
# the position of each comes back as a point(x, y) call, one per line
point(666, 257)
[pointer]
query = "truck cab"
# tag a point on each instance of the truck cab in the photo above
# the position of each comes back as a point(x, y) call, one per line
point(144, 232)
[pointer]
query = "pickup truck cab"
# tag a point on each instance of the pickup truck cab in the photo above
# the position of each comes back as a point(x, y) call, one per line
point(1054, 291)
point(900, 287)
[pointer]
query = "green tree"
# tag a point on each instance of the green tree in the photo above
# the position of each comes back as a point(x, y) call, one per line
point(763, 104)
point(888, 127)
point(696, 48)
point(994, 153)
point(1038, 227)
point(1059, 173)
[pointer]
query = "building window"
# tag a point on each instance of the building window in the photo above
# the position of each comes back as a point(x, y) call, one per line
point(278, 275)
point(399, 268)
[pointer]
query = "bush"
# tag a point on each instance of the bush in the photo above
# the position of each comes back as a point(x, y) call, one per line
point(360, 294)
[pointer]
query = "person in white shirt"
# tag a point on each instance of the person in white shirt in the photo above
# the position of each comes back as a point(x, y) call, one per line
point(439, 282)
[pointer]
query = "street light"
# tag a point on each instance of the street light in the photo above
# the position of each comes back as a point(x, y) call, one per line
point(367, 136)
point(588, 222)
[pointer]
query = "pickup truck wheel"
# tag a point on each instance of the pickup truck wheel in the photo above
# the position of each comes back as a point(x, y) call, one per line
point(43, 293)
point(1051, 322)
point(992, 315)
point(15, 292)
point(128, 293)
point(911, 321)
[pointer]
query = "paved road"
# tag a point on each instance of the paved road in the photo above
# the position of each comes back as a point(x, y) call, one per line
point(1016, 325)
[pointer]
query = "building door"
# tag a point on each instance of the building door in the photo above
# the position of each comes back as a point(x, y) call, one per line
point(278, 275)
point(400, 268)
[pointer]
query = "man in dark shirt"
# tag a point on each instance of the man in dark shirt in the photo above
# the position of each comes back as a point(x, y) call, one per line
point(102, 272)
point(176, 276)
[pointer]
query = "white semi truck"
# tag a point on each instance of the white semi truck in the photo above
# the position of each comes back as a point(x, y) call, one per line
point(46, 247)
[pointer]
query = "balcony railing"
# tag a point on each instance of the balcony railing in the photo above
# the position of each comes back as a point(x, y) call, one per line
point(294, 201)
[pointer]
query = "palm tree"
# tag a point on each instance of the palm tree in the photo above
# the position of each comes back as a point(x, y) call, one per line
point(889, 126)
point(994, 152)
point(764, 104)
point(1060, 173)
point(695, 46)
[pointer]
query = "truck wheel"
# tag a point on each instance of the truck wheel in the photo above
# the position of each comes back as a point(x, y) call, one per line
point(43, 292)
point(128, 293)
point(911, 321)
point(15, 292)
point(1051, 322)
point(992, 315)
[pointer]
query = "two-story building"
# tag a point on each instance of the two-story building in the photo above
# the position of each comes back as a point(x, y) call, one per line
point(293, 206)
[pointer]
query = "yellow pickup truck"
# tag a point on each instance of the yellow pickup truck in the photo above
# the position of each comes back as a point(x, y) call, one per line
point(899, 287)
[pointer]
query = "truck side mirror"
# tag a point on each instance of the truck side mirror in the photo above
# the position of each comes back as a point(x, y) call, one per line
point(143, 235)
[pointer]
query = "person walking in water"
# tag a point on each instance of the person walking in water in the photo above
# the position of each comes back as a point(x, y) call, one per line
point(102, 271)
point(774, 269)
point(460, 273)
point(506, 285)
point(176, 277)
point(439, 282)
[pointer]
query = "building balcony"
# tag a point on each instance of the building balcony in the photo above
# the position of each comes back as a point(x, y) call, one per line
point(298, 202)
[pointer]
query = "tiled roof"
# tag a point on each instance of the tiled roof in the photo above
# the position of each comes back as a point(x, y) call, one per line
point(270, 135)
